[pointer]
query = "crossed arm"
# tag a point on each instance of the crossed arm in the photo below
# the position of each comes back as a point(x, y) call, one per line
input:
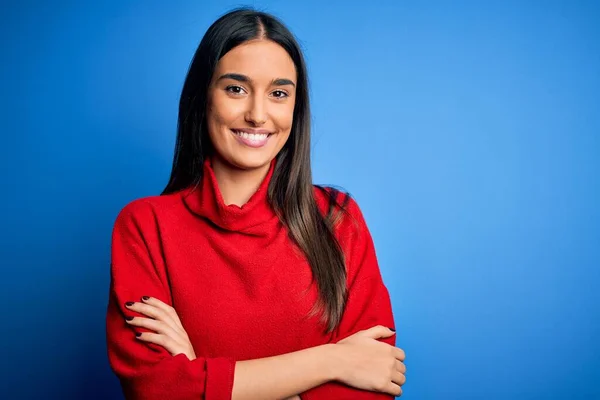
point(307, 372)
point(342, 369)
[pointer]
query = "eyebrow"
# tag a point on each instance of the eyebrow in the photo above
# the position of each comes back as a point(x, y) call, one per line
point(244, 78)
point(283, 82)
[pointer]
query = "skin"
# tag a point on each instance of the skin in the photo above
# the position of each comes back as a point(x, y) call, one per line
point(260, 95)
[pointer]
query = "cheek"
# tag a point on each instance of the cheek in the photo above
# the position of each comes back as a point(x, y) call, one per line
point(284, 117)
point(224, 111)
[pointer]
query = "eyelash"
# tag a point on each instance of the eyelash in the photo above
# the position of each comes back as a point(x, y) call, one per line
point(285, 94)
point(230, 87)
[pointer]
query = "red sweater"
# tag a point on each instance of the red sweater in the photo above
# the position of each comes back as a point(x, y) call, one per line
point(240, 286)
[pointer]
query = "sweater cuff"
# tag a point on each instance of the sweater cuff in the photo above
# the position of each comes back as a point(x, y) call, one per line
point(219, 378)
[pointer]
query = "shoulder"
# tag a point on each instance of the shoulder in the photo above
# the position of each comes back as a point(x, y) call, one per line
point(352, 233)
point(347, 221)
point(146, 211)
point(331, 200)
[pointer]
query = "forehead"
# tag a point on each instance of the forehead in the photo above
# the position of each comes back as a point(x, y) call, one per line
point(259, 60)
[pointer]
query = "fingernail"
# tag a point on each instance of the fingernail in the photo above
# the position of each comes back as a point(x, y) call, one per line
point(128, 318)
point(138, 334)
point(392, 329)
point(145, 297)
point(129, 303)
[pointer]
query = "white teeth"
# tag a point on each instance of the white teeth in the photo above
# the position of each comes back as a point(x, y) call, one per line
point(252, 136)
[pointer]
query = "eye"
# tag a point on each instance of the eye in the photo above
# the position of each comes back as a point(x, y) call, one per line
point(279, 94)
point(235, 89)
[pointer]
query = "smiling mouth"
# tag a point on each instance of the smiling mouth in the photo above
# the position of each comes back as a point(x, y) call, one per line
point(251, 135)
point(252, 139)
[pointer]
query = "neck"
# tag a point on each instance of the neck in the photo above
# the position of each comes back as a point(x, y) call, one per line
point(237, 185)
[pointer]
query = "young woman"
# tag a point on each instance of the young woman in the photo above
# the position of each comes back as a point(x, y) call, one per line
point(242, 280)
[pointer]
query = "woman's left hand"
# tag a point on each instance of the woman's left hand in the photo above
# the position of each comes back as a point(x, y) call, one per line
point(169, 332)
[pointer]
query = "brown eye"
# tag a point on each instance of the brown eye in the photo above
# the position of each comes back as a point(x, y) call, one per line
point(280, 94)
point(234, 89)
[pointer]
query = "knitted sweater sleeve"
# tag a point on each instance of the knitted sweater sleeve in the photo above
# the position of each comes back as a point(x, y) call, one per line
point(368, 302)
point(147, 371)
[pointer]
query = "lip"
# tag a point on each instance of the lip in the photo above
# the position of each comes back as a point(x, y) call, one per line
point(252, 143)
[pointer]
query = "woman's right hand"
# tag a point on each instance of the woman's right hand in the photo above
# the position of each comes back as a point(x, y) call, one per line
point(368, 364)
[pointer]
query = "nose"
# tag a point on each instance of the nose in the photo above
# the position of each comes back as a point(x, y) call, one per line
point(257, 111)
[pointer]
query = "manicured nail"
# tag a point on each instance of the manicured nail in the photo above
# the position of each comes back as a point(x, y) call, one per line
point(392, 329)
point(129, 303)
point(138, 334)
point(128, 318)
point(145, 297)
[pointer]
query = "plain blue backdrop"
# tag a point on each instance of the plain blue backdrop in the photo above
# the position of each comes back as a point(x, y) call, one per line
point(469, 133)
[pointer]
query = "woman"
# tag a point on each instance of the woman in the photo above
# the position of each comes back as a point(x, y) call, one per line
point(243, 280)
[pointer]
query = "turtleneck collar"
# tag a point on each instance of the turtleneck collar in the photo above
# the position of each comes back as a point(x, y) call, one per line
point(206, 201)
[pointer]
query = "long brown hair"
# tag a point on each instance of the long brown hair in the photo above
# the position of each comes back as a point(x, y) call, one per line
point(291, 191)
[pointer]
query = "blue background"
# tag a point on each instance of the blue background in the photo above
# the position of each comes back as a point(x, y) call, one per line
point(469, 132)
